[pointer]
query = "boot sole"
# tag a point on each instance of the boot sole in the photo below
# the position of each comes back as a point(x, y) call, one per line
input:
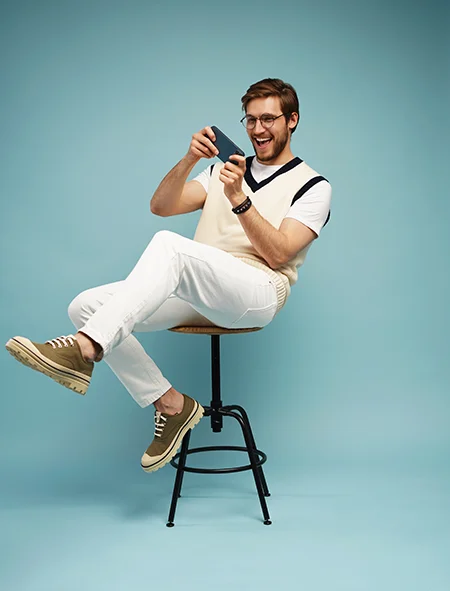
point(24, 351)
point(193, 420)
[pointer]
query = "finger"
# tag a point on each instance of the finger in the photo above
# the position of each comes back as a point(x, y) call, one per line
point(226, 181)
point(232, 176)
point(235, 168)
point(204, 139)
point(237, 158)
point(205, 147)
point(202, 152)
point(209, 132)
point(207, 136)
point(224, 177)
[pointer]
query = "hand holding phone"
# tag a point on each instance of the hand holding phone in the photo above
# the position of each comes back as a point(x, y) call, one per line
point(201, 145)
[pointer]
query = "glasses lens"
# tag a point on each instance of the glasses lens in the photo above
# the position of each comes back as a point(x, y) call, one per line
point(267, 121)
point(249, 122)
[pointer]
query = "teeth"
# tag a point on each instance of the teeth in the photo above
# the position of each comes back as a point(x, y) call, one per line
point(260, 141)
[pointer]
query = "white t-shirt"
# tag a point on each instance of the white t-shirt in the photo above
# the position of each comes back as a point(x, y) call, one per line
point(311, 209)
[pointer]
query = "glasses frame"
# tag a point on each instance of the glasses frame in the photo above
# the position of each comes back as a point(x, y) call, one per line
point(259, 119)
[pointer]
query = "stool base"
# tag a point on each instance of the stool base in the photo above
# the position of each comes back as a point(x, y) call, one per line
point(256, 458)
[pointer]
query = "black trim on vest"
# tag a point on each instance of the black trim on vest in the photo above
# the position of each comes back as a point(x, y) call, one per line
point(307, 186)
point(254, 186)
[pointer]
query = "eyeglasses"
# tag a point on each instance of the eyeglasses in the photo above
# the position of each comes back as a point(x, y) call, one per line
point(266, 120)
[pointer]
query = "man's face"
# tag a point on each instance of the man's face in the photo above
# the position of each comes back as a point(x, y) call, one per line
point(270, 143)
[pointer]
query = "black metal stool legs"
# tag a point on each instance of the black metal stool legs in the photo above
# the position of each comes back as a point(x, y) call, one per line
point(256, 457)
point(216, 411)
point(246, 421)
point(179, 479)
point(254, 462)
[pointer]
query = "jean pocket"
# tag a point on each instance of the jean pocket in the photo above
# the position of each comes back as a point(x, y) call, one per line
point(255, 317)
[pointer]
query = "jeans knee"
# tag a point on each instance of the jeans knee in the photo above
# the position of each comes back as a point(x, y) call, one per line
point(171, 241)
point(167, 243)
point(165, 236)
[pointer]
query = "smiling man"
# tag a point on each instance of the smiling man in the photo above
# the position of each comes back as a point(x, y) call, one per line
point(259, 218)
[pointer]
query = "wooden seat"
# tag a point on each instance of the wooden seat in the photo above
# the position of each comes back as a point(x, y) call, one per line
point(211, 330)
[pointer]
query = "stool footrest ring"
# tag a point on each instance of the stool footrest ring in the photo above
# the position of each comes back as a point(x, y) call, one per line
point(259, 462)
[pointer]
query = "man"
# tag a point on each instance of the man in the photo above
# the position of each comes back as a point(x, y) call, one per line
point(260, 216)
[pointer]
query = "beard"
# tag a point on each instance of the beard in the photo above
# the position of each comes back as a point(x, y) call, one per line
point(278, 145)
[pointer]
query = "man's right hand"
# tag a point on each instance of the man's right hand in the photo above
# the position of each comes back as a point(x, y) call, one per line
point(174, 194)
point(202, 145)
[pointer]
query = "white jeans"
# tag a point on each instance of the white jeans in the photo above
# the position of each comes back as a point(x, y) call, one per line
point(176, 282)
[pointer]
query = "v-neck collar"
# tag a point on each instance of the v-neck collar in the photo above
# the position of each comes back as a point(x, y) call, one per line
point(251, 182)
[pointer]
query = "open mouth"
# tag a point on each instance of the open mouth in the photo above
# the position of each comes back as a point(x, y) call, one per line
point(262, 142)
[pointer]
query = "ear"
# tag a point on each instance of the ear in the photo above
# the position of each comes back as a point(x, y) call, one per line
point(293, 120)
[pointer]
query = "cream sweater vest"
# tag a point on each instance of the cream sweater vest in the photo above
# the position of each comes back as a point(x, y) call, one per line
point(220, 227)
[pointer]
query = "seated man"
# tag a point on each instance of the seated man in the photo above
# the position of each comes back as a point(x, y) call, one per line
point(260, 216)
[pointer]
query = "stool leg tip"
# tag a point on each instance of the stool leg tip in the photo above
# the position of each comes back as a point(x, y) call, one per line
point(170, 524)
point(267, 522)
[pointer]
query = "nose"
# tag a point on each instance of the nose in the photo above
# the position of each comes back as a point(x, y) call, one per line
point(259, 127)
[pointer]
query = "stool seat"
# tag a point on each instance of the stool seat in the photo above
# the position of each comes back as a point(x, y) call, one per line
point(211, 330)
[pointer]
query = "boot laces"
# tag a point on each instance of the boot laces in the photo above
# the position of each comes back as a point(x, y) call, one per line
point(160, 423)
point(62, 341)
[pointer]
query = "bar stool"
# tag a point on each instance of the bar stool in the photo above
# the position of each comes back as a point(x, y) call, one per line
point(217, 411)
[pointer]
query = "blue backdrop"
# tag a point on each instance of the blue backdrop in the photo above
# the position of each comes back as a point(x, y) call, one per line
point(99, 100)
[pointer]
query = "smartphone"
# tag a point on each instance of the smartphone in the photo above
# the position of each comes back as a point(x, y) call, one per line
point(225, 146)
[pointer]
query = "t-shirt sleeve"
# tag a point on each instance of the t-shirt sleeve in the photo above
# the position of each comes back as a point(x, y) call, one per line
point(204, 177)
point(313, 207)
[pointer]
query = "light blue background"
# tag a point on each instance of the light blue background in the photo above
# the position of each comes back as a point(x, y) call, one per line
point(347, 390)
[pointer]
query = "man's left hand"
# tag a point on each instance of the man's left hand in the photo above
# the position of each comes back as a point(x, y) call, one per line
point(231, 176)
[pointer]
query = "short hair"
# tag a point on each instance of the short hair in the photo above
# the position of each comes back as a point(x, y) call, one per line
point(274, 87)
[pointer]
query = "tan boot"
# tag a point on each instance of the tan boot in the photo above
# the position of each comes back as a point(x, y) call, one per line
point(169, 433)
point(59, 358)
